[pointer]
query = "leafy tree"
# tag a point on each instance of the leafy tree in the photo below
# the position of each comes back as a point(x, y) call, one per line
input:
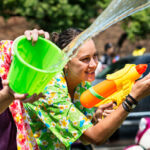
point(53, 15)
point(137, 25)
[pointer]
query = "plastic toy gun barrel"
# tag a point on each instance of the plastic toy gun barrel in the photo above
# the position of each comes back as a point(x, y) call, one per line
point(104, 89)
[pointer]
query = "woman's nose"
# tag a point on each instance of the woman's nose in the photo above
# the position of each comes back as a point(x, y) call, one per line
point(93, 63)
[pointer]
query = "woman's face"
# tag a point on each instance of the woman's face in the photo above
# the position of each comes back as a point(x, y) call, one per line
point(82, 66)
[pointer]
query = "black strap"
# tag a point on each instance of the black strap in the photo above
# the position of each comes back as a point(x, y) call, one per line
point(125, 106)
point(134, 100)
point(129, 102)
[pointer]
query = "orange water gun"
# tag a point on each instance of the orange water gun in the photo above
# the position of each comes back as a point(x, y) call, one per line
point(115, 88)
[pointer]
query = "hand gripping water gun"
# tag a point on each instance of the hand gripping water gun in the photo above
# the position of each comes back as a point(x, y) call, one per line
point(115, 88)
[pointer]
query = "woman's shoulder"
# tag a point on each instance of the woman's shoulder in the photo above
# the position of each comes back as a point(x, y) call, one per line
point(83, 86)
point(5, 57)
point(58, 82)
point(86, 85)
point(6, 48)
point(5, 43)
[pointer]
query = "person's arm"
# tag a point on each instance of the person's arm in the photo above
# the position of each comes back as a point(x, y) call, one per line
point(7, 96)
point(102, 111)
point(5, 99)
point(100, 132)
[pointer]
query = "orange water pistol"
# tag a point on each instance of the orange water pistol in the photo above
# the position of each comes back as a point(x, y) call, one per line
point(114, 84)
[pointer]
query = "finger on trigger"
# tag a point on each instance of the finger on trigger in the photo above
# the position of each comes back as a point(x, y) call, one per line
point(104, 106)
point(108, 111)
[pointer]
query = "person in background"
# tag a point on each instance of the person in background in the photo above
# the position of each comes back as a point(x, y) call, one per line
point(107, 58)
point(15, 132)
point(99, 68)
point(140, 50)
point(109, 52)
point(59, 120)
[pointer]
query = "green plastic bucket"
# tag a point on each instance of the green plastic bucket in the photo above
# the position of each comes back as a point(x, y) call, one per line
point(34, 66)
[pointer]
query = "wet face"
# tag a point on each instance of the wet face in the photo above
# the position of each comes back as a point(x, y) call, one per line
point(82, 66)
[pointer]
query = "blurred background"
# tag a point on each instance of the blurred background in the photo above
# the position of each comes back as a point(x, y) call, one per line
point(127, 36)
point(56, 15)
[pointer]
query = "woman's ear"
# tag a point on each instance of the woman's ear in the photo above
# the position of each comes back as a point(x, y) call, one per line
point(66, 67)
point(66, 70)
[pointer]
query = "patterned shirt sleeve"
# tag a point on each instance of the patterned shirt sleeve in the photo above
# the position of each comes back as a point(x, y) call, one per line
point(88, 112)
point(59, 114)
point(5, 57)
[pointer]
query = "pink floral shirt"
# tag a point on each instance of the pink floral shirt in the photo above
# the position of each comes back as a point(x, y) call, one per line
point(25, 138)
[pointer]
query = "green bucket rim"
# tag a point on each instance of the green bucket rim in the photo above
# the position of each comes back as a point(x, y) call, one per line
point(25, 63)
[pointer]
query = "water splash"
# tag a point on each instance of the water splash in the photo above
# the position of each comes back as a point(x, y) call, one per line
point(115, 12)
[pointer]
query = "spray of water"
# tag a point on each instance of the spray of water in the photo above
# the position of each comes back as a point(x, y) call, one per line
point(115, 12)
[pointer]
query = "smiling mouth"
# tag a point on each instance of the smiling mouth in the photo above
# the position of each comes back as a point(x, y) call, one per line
point(91, 73)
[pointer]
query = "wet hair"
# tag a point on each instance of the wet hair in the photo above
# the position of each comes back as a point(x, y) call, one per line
point(107, 46)
point(65, 37)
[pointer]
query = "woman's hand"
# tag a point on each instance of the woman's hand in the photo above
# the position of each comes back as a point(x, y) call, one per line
point(22, 97)
point(141, 88)
point(33, 34)
point(102, 111)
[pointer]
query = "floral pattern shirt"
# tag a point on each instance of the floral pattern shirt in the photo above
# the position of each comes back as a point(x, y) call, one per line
point(57, 121)
point(25, 138)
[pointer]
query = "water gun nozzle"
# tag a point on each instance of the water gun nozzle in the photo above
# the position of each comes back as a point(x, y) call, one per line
point(141, 68)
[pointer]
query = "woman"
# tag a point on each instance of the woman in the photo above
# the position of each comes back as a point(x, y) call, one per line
point(59, 120)
point(15, 132)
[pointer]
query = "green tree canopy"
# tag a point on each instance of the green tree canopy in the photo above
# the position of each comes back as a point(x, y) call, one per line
point(137, 25)
point(53, 15)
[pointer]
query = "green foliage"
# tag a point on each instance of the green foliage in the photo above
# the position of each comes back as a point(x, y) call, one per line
point(54, 15)
point(137, 25)
point(103, 3)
